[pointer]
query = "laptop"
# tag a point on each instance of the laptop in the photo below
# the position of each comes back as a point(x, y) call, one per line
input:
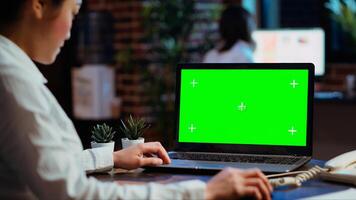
point(244, 116)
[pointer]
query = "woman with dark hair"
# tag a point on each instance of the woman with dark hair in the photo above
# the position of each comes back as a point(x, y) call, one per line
point(41, 155)
point(235, 27)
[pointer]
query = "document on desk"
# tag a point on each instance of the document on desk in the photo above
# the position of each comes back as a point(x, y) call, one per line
point(345, 194)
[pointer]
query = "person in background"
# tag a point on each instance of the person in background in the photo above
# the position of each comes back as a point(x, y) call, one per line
point(41, 155)
point(236, 46)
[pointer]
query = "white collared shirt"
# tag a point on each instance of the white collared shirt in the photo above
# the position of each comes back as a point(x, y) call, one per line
point(41, 155)
point(240, 52)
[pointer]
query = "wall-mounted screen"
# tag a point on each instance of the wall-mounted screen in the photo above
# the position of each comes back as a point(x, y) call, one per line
point(291, 45)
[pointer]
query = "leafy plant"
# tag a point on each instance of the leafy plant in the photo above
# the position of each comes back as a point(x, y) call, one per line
point(167, 25)
point(102, 133)
point(344, 12)
point(134, 127)
point(170, 27)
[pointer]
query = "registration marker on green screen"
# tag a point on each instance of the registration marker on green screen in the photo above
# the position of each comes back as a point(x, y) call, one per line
point(244, 106)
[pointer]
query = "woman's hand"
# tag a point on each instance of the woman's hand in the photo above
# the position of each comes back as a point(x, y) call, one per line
point(141, 155)
point(235, 184)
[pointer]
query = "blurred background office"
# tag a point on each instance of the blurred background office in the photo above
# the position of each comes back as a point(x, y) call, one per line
point(122, 56)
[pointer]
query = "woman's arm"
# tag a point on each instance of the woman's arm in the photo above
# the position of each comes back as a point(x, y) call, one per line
point(32, 147)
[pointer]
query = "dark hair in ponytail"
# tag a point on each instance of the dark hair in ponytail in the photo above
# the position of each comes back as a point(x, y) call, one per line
point(233, 26)
point(10, 10)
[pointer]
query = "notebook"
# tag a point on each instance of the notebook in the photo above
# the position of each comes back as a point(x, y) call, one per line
point(243, 115)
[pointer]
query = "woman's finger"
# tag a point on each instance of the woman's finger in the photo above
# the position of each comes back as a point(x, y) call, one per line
point(256, 173)
point(260, 185)
point(252, 192)
point(156, 148)
point(150, 161)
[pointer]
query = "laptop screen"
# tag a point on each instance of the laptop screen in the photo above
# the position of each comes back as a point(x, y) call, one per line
point(243, 106)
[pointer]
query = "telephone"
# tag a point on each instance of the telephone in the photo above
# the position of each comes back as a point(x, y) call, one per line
point(341, 169)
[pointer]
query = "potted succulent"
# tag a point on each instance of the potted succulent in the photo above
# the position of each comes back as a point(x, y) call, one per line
point(102, 136)
point(133, 129)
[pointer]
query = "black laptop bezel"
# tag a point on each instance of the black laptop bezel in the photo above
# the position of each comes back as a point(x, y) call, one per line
point(242, 148)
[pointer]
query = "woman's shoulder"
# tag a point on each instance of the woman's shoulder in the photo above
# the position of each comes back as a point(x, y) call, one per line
point(211, 55)
point(242, 52)
point(21, 90)
point(11, 74)
point(242, 46)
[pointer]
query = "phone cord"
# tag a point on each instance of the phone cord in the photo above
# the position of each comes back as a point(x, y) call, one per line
point(299, 179)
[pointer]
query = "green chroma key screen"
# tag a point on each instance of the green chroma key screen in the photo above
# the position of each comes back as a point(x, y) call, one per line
point(244, 106)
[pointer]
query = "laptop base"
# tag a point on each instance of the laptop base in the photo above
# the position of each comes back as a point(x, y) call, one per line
point(211, 166)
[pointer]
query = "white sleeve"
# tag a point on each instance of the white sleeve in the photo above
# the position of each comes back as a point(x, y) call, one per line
point(97, 160)
point(32, 147)
point(51, 170)
point(194, 189)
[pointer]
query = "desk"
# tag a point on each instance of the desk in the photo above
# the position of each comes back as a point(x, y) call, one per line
point(334, 128)
point(309, 188)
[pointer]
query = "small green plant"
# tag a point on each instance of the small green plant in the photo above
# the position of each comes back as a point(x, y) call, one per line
point(134, 127)
point(102, 133)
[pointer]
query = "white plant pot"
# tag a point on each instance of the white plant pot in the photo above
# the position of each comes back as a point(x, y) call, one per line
point(110, 145)
point(127, 143)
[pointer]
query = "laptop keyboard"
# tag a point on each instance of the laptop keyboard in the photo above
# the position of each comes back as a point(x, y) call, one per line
point(287, 160)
